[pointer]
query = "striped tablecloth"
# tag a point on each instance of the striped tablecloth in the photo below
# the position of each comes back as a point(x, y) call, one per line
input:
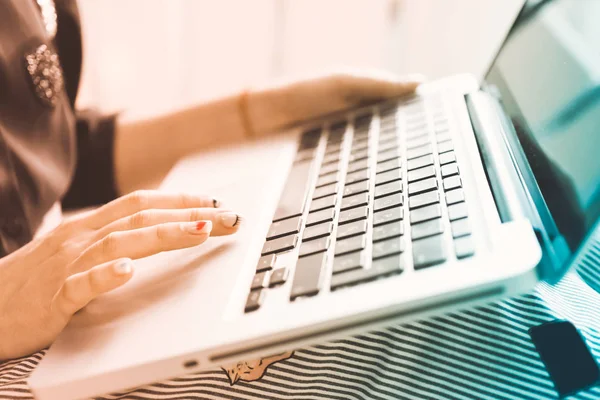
point(483, 353)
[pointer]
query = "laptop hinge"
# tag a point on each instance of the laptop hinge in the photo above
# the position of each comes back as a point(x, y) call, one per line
point(492, 127)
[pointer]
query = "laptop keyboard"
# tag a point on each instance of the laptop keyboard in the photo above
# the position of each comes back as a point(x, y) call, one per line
point(363, 201)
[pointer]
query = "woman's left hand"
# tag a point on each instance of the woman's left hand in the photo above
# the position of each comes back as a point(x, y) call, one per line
point(278, 106)
point(146, 150)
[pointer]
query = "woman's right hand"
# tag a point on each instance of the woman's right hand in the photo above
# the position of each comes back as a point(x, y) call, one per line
point(45, 282)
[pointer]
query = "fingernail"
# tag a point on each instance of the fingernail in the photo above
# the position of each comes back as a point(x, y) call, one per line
point(197, 228)
point(230, 220)
point(122, 267)
point(216, 203)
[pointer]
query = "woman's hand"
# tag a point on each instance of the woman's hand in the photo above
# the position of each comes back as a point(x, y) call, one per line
point(146, 150)
point(45, 282)
point(276, 107)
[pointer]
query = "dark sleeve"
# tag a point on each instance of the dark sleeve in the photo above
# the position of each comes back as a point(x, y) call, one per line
point(93, 182)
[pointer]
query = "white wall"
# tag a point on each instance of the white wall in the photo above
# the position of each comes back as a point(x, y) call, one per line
point(148, 56)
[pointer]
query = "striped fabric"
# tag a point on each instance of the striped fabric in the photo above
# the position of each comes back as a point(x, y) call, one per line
point(483, 353)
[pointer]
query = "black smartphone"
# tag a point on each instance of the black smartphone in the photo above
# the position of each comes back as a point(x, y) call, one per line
point(567, 358)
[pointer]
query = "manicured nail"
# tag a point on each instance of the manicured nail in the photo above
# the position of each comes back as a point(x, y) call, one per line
point(230, 220)
point(216, 203)
point(123, 267)
point(197, 228)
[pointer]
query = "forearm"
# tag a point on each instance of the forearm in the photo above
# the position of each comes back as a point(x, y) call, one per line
point(145, 151)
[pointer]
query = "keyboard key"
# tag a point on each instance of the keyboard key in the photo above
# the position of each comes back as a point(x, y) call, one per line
point(387, 139)
point(449, 170)
point(284, 228)
point(337, 131)
point(379, 268)
point(351, 229)
point(359, 155)
point(363, 121)
point(447, 158)
point(359, 146)
point(418, 142)
point(357, 176)
point(309, 275)
point(386, 202)
point(429, 251)
point(389, 247)
point(255, 300)
point(333, 148)
point(388, 136)
point(354, 214)
point(443, 136)
point(421, 173)
point(423, 186)
point(331, 158)
point(280, 245)
point(295, 191)
point(457, 211)
point(266, 263)
point(445, 147)
point(314, 246)
point(310, 139)
point(320, 216)
point(387, 146)
point(464, 247)
point(356, 188)
point(415, 132)
point(453, 182)
point(305, 155)
point(349, 262)
point(325, 191)
point(387, 231)
point(389, 215)
point(388, 165)
point(358, 165)
point(425, 213)
point(429, 228)
point(356, 200)
point(328, 179)
point(279, 276)
point(455, 196)
point(360, 140)
point(388, 189)
point(388, 155)
point(424, 199)
point(389, 176)
point(328, 169)
point(322, 203)
point(419, 162)
point(460, 228)
point(260, 280)
point(419, 152)
point(317, 231)
point(350, 245)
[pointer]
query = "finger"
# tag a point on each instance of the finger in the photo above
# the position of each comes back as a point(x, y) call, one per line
point(146, 200)
point(224, 222)
point(357, 88)
point(144, 242)
point(81, 288)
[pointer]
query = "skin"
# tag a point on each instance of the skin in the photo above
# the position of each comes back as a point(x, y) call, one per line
point(46, 281)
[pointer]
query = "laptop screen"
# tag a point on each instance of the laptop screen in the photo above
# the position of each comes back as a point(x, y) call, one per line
point(548, 77)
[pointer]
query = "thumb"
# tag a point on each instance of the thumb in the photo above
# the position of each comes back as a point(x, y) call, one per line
point(363, 87)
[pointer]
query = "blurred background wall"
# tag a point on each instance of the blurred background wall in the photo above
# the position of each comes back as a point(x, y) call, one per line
point(151, 56)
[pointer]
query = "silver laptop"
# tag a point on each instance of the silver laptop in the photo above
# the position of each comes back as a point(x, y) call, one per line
point(464, 193)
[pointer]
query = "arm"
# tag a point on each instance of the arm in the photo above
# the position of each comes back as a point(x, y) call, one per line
point(146, 150)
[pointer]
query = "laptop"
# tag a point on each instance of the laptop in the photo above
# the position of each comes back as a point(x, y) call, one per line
point(464, 193)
